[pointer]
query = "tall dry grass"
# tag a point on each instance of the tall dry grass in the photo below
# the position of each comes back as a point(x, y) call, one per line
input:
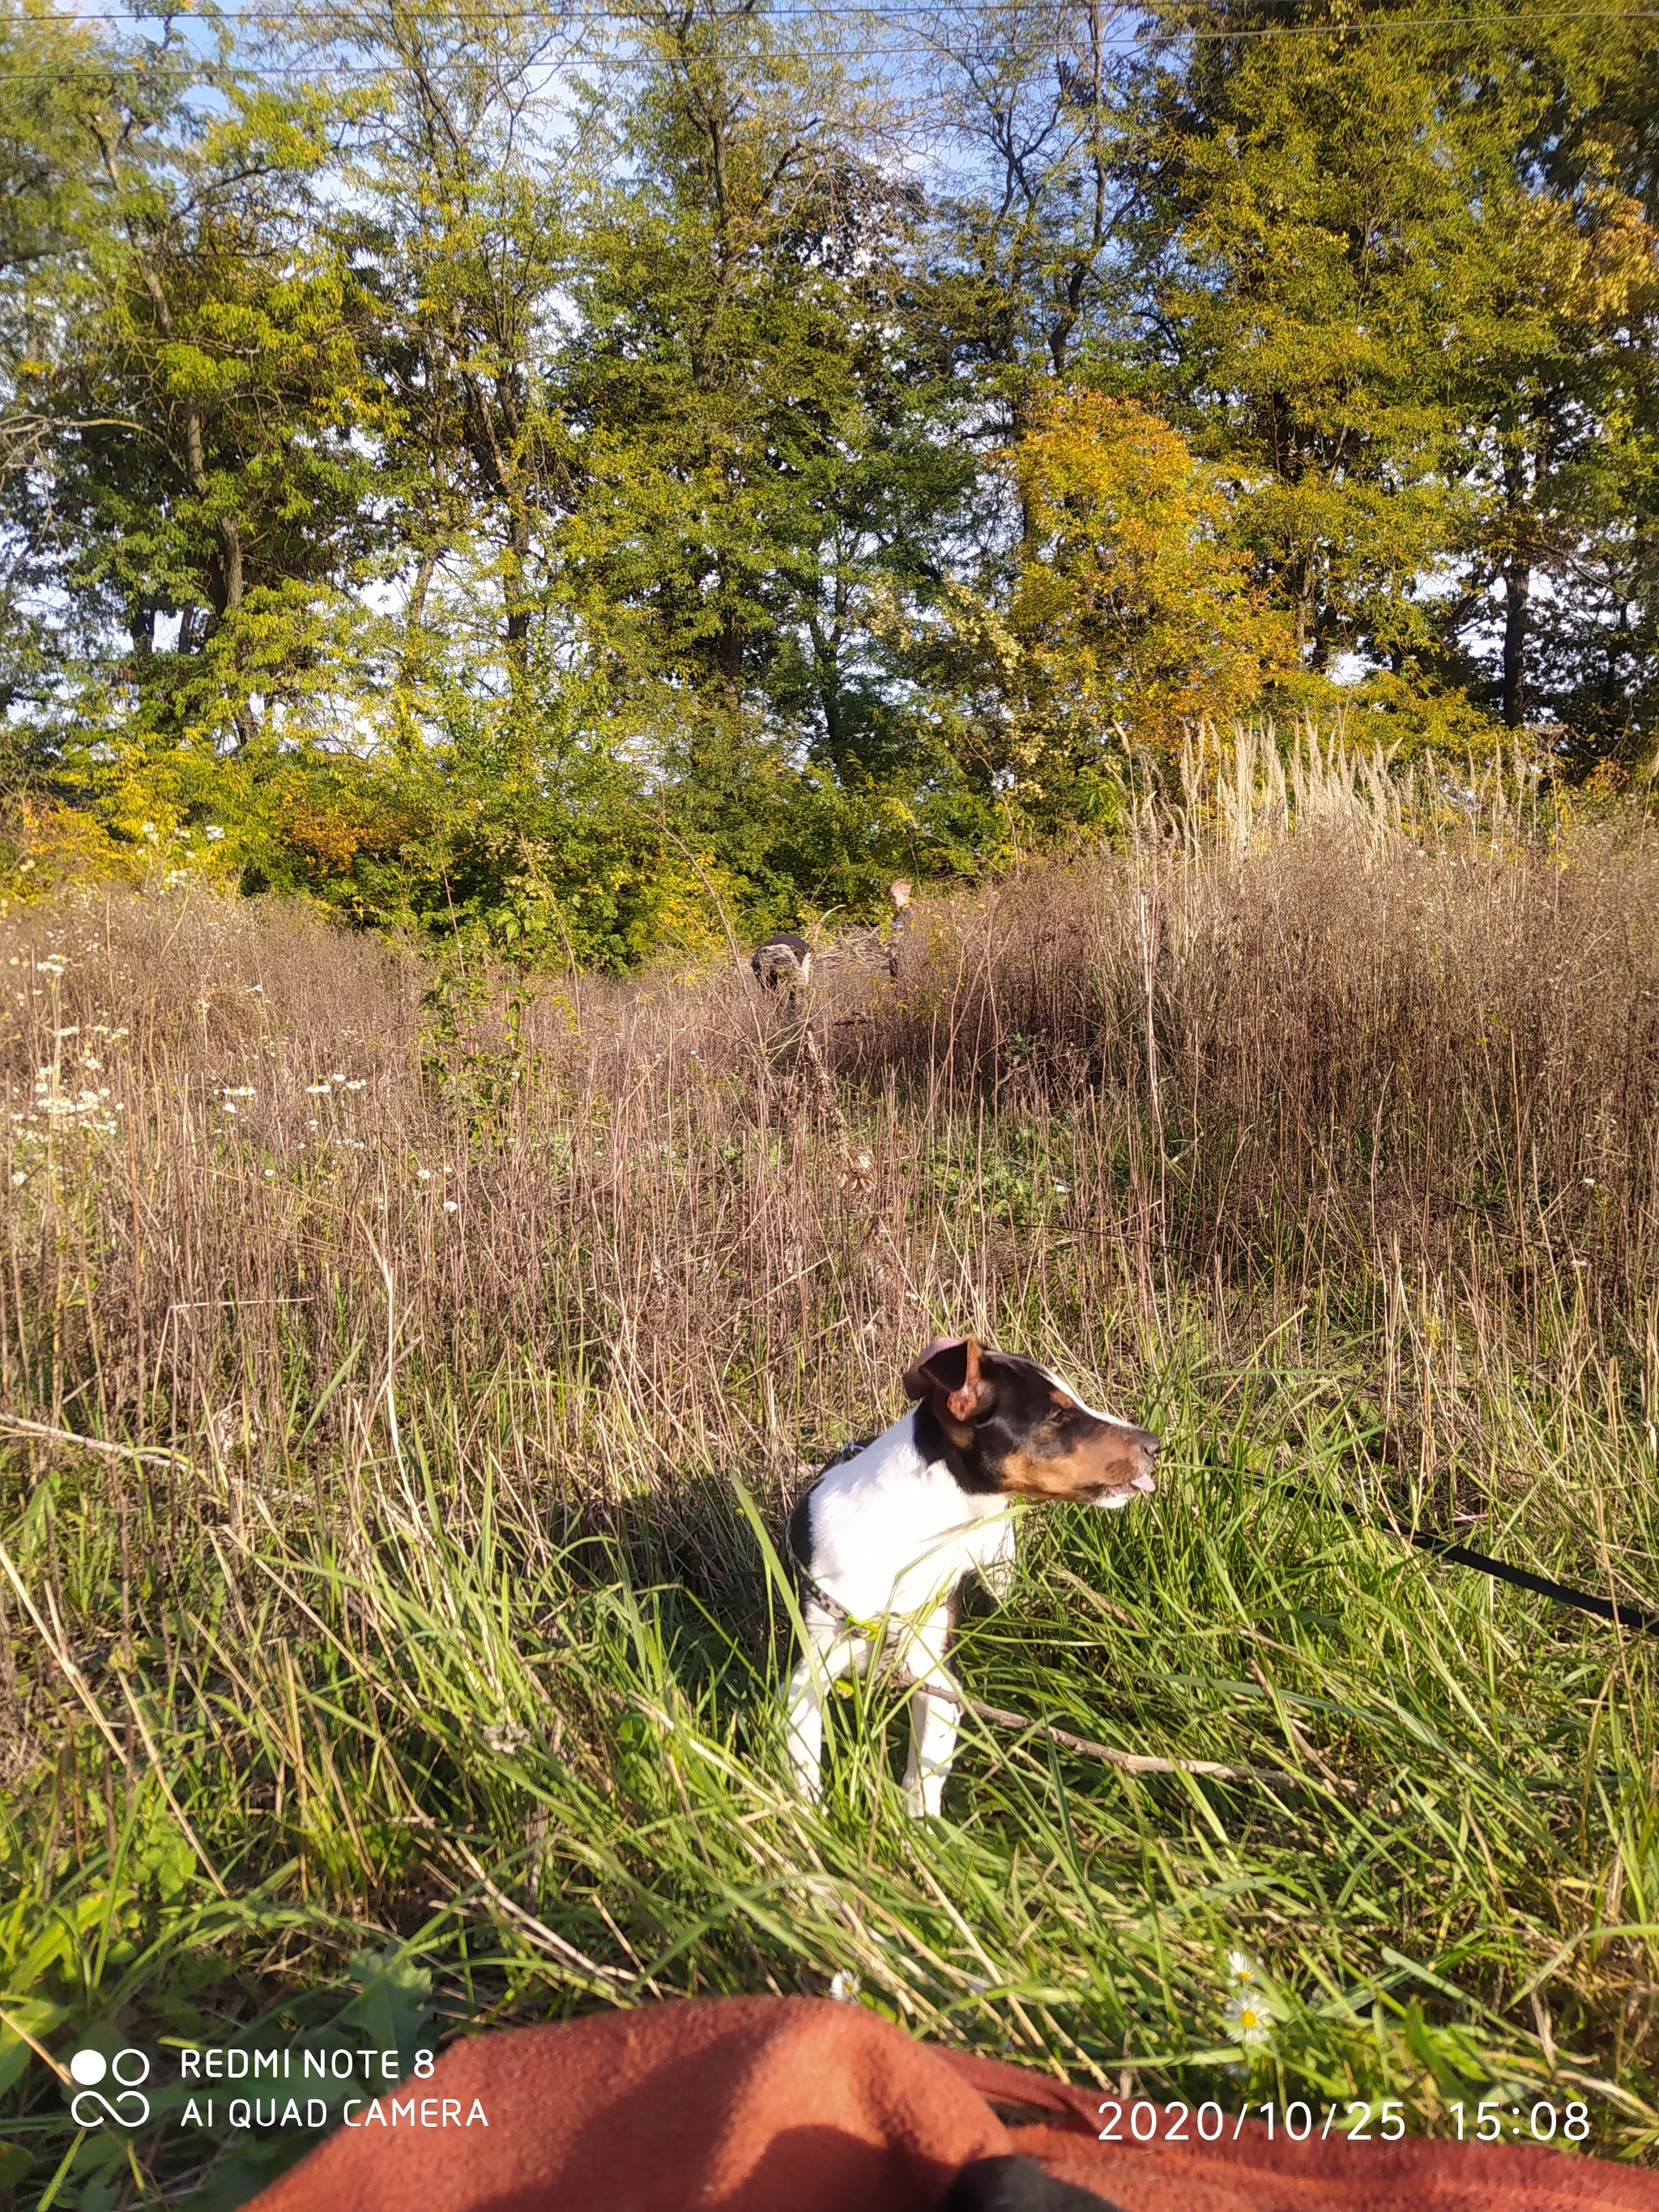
point(421, 1324)
point(1356, 1078)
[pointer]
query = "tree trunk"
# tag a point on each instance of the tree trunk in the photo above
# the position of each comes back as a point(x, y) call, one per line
point(1517, 592)
point(230, 564)
point(230, 561)
point(828, 670)
point(414, 614)
point(518, 604)
point(728, 646)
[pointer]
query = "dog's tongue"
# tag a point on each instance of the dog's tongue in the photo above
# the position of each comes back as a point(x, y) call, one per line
point(1144, 1482)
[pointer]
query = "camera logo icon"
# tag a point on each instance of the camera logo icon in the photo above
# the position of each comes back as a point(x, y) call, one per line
point(89, 2107)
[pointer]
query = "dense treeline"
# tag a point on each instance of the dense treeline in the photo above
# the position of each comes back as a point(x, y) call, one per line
point(540, 473)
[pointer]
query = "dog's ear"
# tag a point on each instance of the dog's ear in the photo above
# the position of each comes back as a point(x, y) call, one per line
point(921, 1376)
point(951, 1367)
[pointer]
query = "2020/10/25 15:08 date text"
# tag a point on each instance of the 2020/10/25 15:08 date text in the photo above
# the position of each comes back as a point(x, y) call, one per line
point(1484, 2123)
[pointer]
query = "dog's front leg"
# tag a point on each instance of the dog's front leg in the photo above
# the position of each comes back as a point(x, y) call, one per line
point(934, 1707)
point(998, 1558)
point(828, 1654)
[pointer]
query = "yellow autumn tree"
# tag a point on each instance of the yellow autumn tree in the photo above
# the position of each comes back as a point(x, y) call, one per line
point(1130, 608)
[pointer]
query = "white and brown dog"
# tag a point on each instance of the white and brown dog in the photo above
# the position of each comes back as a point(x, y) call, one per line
point(883, 1540)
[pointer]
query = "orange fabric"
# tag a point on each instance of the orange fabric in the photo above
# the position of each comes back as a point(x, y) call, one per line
point(735, 2105)
point(1258, 2173)
point(798, 2104)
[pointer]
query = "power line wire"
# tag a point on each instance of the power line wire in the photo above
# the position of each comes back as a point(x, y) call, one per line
point(871, 51)
point(930, 11)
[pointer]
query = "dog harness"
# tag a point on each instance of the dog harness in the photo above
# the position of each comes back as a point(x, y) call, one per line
point(804, 1575)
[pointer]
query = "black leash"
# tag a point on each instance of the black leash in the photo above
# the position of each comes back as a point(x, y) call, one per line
point(1625, 1615)
point(809, 1586)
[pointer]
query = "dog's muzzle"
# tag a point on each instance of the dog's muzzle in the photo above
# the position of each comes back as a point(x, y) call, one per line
point(1140, 1484)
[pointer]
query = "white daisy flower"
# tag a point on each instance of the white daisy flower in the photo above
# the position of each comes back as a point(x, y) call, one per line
point(1248, 2020)
point(1242, 1973)
point(844, 1988)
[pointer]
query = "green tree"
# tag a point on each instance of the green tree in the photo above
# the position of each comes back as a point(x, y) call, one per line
point(722, 379)
point(1559, 622)
point(1032, 266)
point(756, 425)
point(1122, 618)
point(1407, 300)
point(1311, 197)
point(185, 415)
point(460, 165)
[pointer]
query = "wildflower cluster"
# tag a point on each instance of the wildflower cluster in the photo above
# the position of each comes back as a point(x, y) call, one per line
point(62, 1101)
point(59, 1105)
point(423, 1177)
point(91, 1065)
point(180, 852)
point(1248, 2015)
